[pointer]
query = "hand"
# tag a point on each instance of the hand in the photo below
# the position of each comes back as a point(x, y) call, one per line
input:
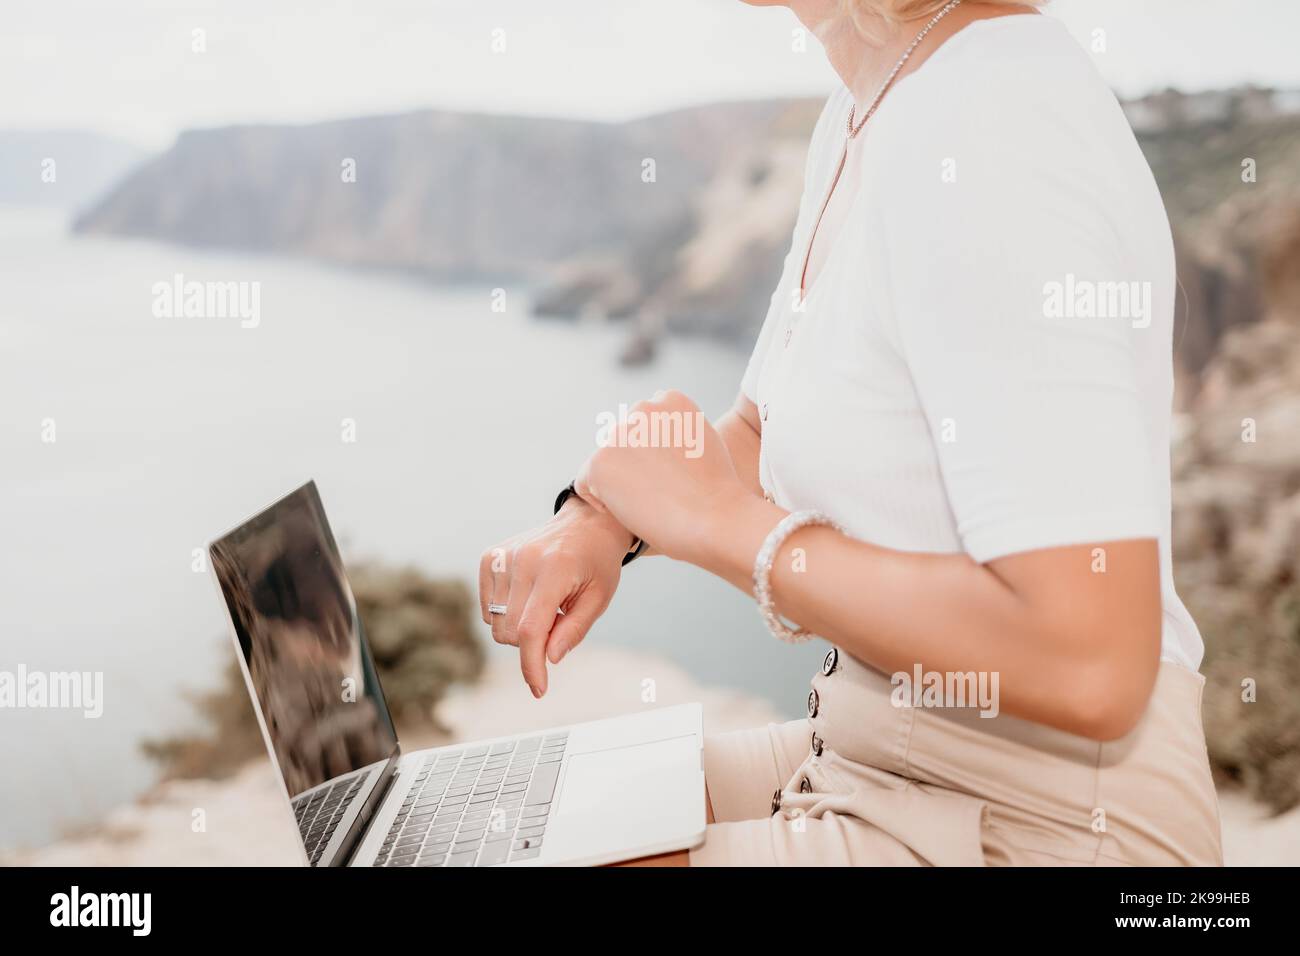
point(572, 563)
point(665, 475)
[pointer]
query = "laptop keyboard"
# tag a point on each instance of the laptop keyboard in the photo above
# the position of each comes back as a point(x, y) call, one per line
point(478, 806)
point(319, 817)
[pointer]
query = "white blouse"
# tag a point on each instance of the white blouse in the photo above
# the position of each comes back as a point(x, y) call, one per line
point(983, 362)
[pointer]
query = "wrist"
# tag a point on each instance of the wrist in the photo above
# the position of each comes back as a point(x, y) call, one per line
point(734, 531)
point(576, 510)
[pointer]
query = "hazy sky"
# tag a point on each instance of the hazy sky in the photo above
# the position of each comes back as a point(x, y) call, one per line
point(127, 67)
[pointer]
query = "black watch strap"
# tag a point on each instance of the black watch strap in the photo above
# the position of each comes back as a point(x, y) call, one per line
point(562, 497)
point(638, 546)
point(638, 549)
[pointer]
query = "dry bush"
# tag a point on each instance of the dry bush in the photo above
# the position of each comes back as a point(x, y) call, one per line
point(421, 633)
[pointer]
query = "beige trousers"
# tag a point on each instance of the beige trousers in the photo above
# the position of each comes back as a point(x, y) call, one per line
point(924, 786)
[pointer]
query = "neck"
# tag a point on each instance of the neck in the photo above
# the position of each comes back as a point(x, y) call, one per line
point(863, 63)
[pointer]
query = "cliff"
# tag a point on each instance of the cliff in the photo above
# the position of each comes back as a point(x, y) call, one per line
point(679, 220)
point(445, 194)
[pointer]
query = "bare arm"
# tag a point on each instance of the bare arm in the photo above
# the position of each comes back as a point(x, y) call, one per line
point(740, 431)
point(1073, 648)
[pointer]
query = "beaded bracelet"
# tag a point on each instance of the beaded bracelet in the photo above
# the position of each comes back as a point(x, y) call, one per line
point(763, 570)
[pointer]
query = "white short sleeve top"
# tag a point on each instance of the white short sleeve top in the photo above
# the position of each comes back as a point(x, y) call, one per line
point(984, 361)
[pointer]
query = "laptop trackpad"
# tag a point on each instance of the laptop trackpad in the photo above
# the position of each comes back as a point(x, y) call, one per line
point(626, 779)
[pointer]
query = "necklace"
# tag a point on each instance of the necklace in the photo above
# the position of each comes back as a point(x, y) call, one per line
point(853, 131)
point(875, 100)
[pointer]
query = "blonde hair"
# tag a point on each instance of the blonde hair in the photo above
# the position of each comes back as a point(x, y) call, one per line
point(869, 16)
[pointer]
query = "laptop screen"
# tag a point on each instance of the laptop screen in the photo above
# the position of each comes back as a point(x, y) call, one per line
point(309, 665)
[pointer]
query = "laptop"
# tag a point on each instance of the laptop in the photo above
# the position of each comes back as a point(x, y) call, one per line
point(587, 794)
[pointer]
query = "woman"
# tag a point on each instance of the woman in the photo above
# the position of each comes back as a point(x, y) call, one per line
point(949, 458)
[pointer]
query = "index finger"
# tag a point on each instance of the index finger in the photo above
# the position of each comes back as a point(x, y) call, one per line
point(534, 629)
